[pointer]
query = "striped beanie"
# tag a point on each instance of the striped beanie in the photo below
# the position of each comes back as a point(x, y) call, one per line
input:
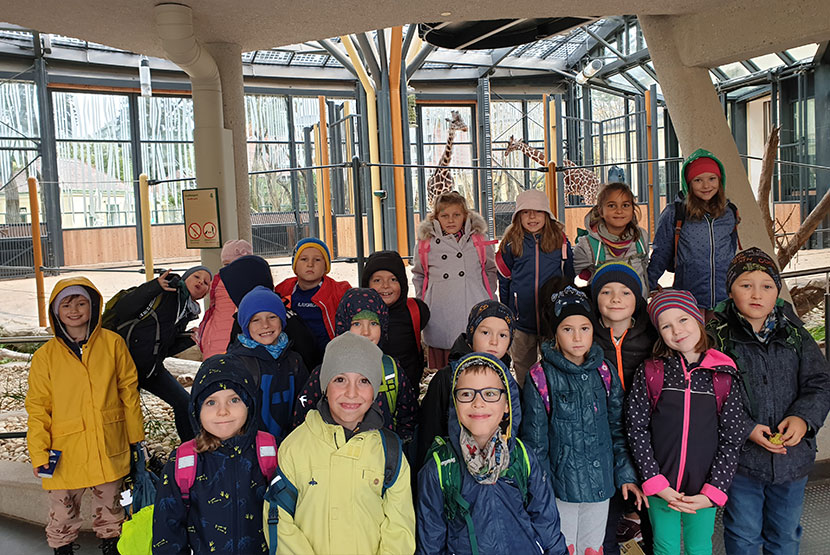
point(673, 298)
point(615, 272)
point(308, 242)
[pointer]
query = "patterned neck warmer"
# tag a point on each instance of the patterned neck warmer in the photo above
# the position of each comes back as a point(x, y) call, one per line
point(485, 465)
point(765, 333)
point(616, 244)
point(275, 349)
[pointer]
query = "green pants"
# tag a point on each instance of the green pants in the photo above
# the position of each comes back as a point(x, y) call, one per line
point(697, 529)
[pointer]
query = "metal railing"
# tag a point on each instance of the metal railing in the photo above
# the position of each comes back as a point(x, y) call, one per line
point(814, 272)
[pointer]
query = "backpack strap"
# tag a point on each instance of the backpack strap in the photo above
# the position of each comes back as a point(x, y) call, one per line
point(605, 374)
point(415, 316)
point(721, 384)
point(597, 249)
point(737, 221)
point(564, 256)
point(501, 265)
point(481, 244)
point(280, 494)
point(185, 473)
point(266, 454)
point(519, 469)
point(393, 457)
point(423, 256)
point(537, 376)
point(390, 384)
point(654, 371)
point(679, 219)
point(449, 476)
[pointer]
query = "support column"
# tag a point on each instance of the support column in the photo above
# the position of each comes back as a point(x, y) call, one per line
point(699, 121)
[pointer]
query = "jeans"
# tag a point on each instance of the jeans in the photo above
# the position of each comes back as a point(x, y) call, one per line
point(163, 385)
point(760, 515)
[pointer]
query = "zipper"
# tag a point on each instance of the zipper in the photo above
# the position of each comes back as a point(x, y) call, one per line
point(618, 350)
point(684, 438)
point(711, 223)
point(235, 504)
point(516, 303)
point(536, 285)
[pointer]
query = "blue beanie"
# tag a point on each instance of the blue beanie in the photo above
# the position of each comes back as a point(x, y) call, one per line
point(259, 299)
point(311, 242)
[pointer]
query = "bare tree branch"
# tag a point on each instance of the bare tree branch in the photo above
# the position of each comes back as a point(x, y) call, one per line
point(765, 181)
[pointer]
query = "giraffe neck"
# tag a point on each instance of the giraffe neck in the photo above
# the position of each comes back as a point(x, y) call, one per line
point(536, 155)
point(447, 156)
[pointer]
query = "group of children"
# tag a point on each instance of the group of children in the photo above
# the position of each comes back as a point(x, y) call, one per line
point(631, 406)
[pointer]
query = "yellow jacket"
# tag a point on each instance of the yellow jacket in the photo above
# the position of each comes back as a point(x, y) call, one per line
point(339, 504)
point(87, 408)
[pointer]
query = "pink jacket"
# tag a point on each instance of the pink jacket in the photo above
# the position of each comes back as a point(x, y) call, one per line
point(215, 329)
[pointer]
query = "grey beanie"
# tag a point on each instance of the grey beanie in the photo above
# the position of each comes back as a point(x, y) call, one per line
point(195, 269)
point(350, 352)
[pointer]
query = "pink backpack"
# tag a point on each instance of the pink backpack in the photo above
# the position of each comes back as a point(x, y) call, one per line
point(655, 370)
point(479, 242)
point(537, 375)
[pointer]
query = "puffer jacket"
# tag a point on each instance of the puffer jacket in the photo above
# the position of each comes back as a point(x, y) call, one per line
point(786, 376)
point(279, 381)
point(455, 282)
point(215, 329)
point(224, 513)
point(503, 520)
point(588, 259)
point(582, 443)
point(85, 406)
point(340, 508)
point(704, 250)
point(683, 442)
point(521, 278)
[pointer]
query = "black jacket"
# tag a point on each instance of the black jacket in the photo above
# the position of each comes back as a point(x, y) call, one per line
point(786, 376)
point(636, 346)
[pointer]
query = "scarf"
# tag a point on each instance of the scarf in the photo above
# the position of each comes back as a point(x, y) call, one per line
point(616, 244)
point(485, 465)
point(765, 333)
point(188, 308)
point(275, 349)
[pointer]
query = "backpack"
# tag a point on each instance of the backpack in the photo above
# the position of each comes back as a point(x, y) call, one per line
point(680, 218)
point(111, 321)
point(598, 248)
point(415, 315)
point(507, 273)
point(537, 375)
point(186, 459)
point(479, 242)
point(655, 370)
point(449, 475)
point(390, 385)
point(283, 494)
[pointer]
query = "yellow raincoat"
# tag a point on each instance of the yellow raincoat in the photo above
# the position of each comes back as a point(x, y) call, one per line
point(87, 408)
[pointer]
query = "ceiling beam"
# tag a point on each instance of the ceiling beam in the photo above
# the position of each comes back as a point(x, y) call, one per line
point(496, 58)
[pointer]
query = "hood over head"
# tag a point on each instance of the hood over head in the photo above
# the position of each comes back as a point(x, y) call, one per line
point(700, 153)
point(357, 300)
point(392, 262)
point(224, 372)
point(245, 273)
point(63, 289)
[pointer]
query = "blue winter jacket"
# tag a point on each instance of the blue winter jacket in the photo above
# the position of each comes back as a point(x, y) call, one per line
point(504, 522)
point(582, 442)
point(521, 278)
point(225, 513)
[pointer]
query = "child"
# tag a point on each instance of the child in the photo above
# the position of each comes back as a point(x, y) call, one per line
point(508, 504)
point(384, 272)
point(454, 269)
point(533, 251)
point(312, 294)
point(215, 329)
point(83, 404)
point(363, 312)
point(612, 233)
point(336, 460)
point(684, 429)
point(489, 330)
point(786, 399)
point(573, 421)
point(699, 250)
point(221, 512)
point(627, 337)
point(266, 352)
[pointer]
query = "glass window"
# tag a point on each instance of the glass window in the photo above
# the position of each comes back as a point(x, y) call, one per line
point(767, 61)
point(735, 69)
point(19, 131)
point(435, 121)
point(804, 52)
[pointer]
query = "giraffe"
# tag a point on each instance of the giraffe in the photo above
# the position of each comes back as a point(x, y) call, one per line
point(441, 181)
point(578, 182)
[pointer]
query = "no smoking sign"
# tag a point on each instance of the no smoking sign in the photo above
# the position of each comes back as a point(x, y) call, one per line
point(201, 218)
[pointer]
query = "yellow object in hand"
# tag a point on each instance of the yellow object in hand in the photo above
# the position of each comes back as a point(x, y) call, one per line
point(776, 439)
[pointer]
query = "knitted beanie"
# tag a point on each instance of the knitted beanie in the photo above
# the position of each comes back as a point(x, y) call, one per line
point(751, 260)
point(259, 299)
point(194, 269)
point(309, 242)
point(350, 352)
point(570, 302)
point(489, 309)
point(68, 292)
point(235, 248)
point(392, 262)
point(615, 272)
point(357, 300)
point(673, 298)
point(701, 165)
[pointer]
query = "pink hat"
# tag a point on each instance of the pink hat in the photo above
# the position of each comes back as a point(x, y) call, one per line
point(533, 199)
point(235, 248)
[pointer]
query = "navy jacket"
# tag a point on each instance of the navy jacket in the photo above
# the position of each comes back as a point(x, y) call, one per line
point(225, 513)
point(527, 274)
point(786, 376)
point(503, 522)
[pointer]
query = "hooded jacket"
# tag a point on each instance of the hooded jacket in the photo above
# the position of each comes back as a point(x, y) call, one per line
point(340, 506)
point(582, 443)
point(403, 344)
point(504, 521)
point(455, 281)
point(216, 326)
point(226, 499)
point(704, 250)
point(684, 443)
point(85, 406)
point(521, 278)
point(585, 258)
point(785, 376)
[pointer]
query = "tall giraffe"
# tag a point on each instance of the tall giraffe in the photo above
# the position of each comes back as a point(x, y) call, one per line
point(578, 182)
point(441, 181)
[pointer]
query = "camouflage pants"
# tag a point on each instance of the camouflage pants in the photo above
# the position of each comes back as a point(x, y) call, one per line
point(65, 513)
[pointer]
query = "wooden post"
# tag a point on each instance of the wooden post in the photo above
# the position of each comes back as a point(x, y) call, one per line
point(326, 185)
point(146, 228)
point(34, 205)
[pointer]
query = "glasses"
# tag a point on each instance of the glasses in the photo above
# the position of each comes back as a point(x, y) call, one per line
point(488, 394)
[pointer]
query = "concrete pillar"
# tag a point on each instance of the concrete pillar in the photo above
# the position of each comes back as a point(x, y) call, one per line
point(699, 121)
point(228, 59)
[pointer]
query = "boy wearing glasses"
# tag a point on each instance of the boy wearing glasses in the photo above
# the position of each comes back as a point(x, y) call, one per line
point(480, 490)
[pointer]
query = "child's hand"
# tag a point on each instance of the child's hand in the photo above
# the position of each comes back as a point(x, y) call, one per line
point(639, 498)
point(164, 282)
point(669, 495)
point(36, 470)
point(793, 429)
point(691, 504)
point(760, 435)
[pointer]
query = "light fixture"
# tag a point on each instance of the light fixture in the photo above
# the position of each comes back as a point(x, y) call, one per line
point(446, 14)
point(144, 77)
point(588, 71)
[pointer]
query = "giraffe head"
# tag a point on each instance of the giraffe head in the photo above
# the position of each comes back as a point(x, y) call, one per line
point(456, 123)
point(513, 144)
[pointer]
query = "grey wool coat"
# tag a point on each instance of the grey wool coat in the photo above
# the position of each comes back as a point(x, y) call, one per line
point(454, 277)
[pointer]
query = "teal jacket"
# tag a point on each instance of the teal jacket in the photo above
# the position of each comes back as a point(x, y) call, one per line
point(582, 442)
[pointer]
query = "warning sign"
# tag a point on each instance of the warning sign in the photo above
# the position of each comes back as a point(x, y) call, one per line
point(201, 218)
